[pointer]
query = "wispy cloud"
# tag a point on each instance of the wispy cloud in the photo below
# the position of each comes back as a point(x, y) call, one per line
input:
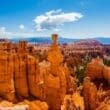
point(54, 19)
point(8, 34)
point(4, 33)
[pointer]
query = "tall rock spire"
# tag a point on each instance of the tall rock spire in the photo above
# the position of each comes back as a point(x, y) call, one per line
point(54, 55)
point(54, 39)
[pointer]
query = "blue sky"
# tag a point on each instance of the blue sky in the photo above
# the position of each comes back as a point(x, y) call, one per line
point(68, 18)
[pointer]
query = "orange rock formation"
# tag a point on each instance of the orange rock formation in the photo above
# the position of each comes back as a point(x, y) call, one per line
point(55, 77)
point(90, 94)
point(23, 76)
point(7, 89)
point(97, 70)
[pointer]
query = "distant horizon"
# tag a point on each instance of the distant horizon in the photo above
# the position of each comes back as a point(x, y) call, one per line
point(20, 37)
point(60, 39)
point(39, 39)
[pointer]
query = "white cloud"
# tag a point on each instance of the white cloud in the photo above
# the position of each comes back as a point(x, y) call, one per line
point(8, 34)
point(2, 29)
point(21, 26)
point(53, 19)
point(4, 33)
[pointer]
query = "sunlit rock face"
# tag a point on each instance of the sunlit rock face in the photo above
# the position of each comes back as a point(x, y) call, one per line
point(20, 70)
point(32, 76)
point(7, 89)
point(19, 78)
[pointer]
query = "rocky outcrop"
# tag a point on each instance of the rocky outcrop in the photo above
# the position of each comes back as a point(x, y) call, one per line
point(20, 75)
point(7, 89)
point(58, 82)
point(20, 70)
point(53, 78)
point(13, 70)
point(33, 77)
point(95, 68)
point(90, 94)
